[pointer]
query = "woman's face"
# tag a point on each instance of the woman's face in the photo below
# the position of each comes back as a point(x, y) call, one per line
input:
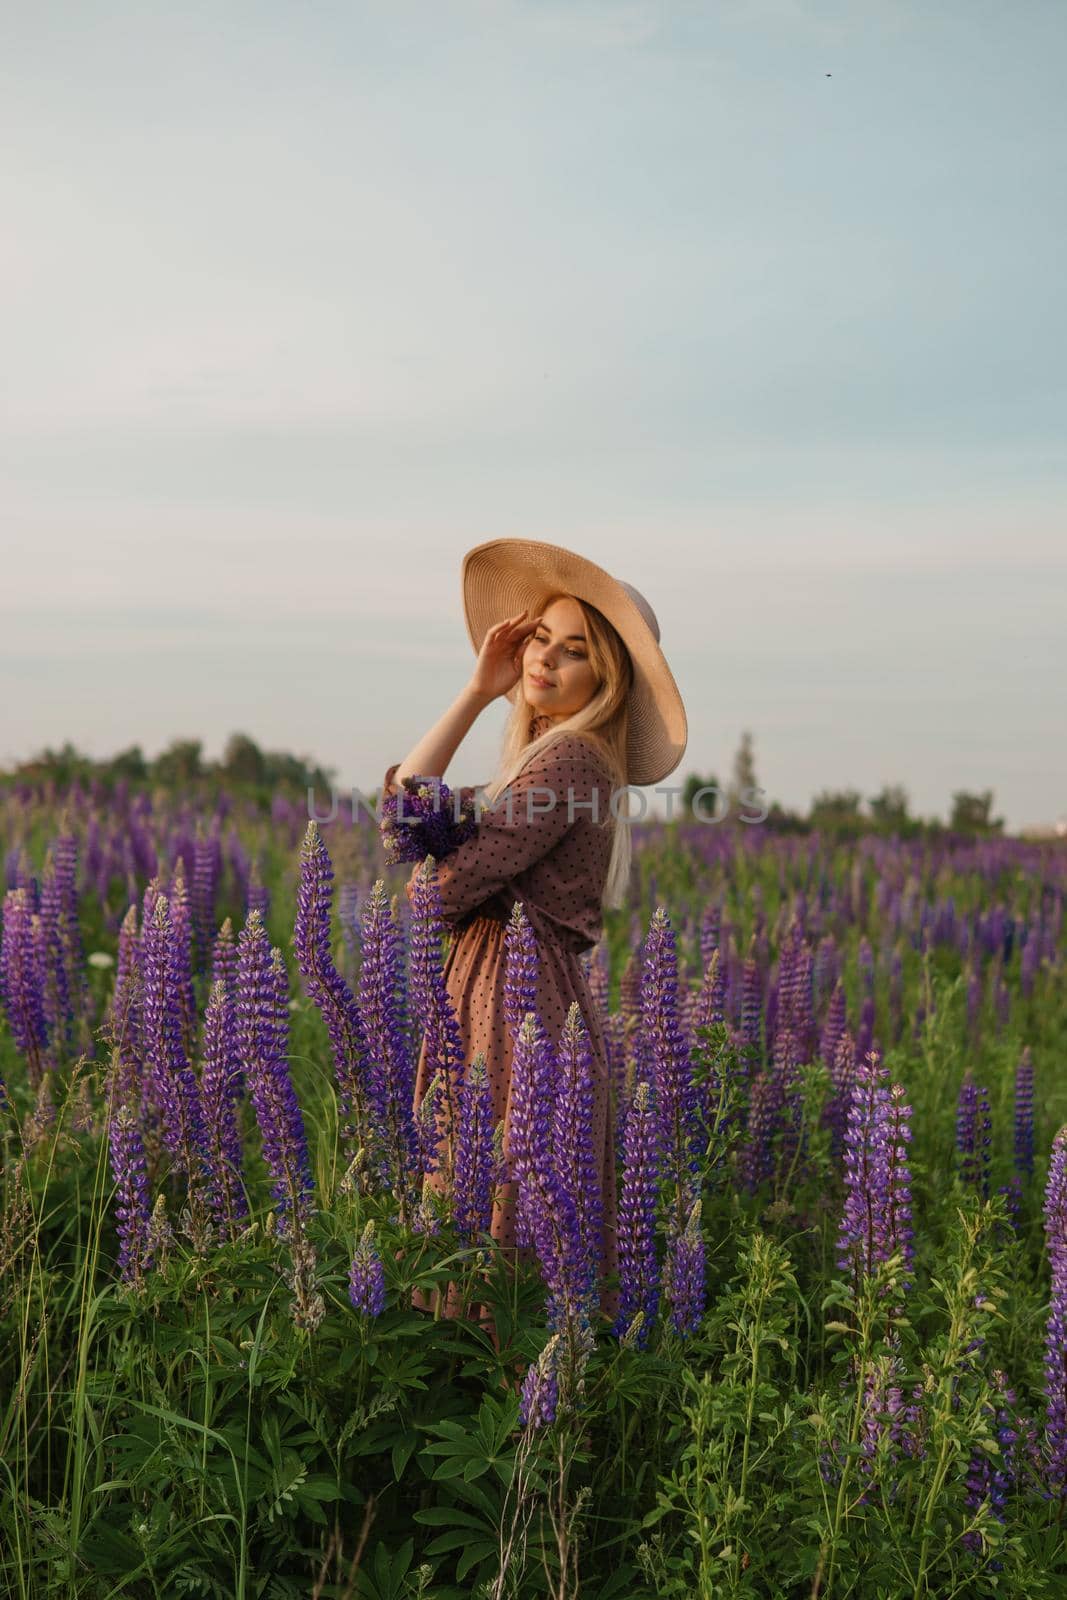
point(558, 652)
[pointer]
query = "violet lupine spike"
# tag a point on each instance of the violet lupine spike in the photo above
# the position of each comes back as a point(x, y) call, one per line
point(684, 1275)
point(427, 1119)
point(263, 1043)
point(834, 1025)
point(521, 962)
point(572, 1144)
point(207, 863)
point(55, 967)
point(1024, 1115)
point(475, 1160)
point(20, 983)
point(366, 1276)
point(899, 1229)
point(329, 990)
point(181, 941)
point(751, 1005)
point(666, 1055)
point(973, 1135)
point(539, 1396)
point(433, 1005)
point(125, 1004)
point(133, 1210)
point(529, 1133)
point(548, 1208)
point(788, 1101)
point(867, 1234)
point(65, 851)
point(390, 1078)
point(257, 894)
point(224, 971)
point(842, 1078)
point(1054, 1444)
point(219, 1094)
point(991, 1481)
point(639, 1283)
point(169, 1080)
point(757, 1152)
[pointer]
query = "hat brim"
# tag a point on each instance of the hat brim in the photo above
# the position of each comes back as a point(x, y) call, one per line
point(507, 576)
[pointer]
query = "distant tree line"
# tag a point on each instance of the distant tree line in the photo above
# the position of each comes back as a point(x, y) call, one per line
point(246, 769)
point(835, 811)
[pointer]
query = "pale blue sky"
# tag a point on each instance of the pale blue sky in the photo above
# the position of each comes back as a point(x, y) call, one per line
point(301, 301)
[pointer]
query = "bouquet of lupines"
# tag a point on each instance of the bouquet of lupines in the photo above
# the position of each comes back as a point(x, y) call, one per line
point(422, 819)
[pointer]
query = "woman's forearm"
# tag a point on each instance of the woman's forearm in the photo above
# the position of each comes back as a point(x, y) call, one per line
point(430, 757)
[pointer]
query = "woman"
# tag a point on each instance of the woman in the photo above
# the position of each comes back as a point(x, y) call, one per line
point(594, 709)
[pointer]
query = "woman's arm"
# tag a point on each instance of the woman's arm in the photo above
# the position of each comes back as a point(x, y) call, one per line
point(496, 671)
point(430, 757)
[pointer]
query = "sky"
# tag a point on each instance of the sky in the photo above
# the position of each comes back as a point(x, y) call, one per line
point(757, 304)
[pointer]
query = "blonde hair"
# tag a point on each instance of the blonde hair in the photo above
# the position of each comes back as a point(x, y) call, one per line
point(603, 720)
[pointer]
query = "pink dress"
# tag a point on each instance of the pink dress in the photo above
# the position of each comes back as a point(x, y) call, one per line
point(557, 868)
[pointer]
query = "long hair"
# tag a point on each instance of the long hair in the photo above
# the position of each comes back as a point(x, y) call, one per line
point(604, 720)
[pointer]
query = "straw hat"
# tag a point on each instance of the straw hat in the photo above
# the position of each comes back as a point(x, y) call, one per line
point(506, 576)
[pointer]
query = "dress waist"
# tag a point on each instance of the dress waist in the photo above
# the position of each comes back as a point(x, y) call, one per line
point(565, 939)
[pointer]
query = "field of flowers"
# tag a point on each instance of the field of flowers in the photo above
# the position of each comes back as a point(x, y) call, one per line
point(840, 1367)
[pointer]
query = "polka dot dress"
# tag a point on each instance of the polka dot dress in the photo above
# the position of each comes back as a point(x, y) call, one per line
point(551, 855)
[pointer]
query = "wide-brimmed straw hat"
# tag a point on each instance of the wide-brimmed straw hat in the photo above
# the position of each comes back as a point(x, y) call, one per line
point(507, 576)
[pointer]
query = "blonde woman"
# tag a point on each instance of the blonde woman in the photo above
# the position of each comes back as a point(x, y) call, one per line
point(594, 709)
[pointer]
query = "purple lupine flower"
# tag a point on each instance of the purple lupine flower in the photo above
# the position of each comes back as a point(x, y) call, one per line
point(751, 1005)
point(638, 1266)
point(572, 1140)
point(666, 1056)
point(54, 965)
point(1024, 1115)
point(169, 1080)
point(181, 940)
point(427, 1129)
point(262, 1039)
point(257, 894)
point(366, 1276)
point(20, 983)
point(133, 1212)
point(842, 1078)
point(521, 962)
point(473, 1187)
point(757, 1152)
point(390, 1075)
point(546, 1208)
point(683, 1275)
point(124, 1013)
point(65, 855)
point(973, 1135)
point(833, 1026)
point(539, 1396)
point(876, 1220)
point(423, 817)
point(224, 971)
point(1054, 1453)
point(989, 1480)
point(901, 1234)
point(219, 1093)
point(433, 1007)
point(534, 1076)
point(329, 990)
point(207, 868)
point(885, 1417)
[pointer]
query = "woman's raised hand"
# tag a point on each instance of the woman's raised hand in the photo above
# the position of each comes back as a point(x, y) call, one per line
point(499, 664)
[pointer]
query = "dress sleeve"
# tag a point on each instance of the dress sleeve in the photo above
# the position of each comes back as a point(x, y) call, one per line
point(545, 801)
